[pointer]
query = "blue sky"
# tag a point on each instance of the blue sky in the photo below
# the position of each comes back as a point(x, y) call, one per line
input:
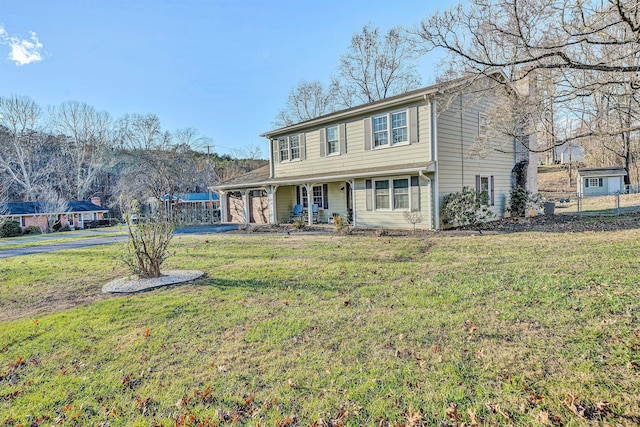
point(224, 67)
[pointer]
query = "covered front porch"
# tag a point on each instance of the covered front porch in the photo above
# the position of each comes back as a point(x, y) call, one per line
point(375, 197)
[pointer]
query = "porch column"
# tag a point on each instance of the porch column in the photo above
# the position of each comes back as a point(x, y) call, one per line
point(245, 206)
point(309, 188)
point(272, 204)
point(223, 206)
point(352, 187)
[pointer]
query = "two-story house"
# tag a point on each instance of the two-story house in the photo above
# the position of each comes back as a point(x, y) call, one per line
point(374, 162)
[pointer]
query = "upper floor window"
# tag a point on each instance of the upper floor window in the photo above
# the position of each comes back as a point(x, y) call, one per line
point(289, 148)
point(483, 125)
point(283, 147)
point(333, 144)
point(390, 129)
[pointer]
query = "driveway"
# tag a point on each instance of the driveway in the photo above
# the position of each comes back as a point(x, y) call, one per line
point(94, 237)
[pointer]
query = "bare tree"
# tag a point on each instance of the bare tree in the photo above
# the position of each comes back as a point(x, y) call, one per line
point(21, 144)
point(573, 49)
point(376, 67)
point(87, 134)
point(306, 101)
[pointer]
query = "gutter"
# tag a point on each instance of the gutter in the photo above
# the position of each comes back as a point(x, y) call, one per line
point(434, 144)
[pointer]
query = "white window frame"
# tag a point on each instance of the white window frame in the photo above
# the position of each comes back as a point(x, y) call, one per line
point(391, 195)
point(480, 190)
point(335, 141)
point(597, 182)
point(389, 129)
point(286, 148)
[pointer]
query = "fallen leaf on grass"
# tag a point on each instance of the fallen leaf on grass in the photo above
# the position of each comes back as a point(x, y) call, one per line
point(575, 406)
point(543, 418)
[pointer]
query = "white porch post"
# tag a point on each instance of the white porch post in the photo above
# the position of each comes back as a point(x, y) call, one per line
point(223, 207)
point(272, 204)
point(309, 188)
point(245, 206)
point(352, 186)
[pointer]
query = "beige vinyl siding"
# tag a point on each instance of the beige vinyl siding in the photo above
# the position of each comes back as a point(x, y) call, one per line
point(357, 157)
point(393, 219)
point(285, 199)
point(457, 168)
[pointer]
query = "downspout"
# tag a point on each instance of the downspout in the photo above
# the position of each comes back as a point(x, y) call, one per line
point(434, 154)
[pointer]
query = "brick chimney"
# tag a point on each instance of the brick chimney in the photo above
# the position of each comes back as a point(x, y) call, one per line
point(96, 201)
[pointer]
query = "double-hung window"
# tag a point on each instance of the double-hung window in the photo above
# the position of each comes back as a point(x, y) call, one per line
point(289, 148)
point(390, 129)
point(483, 125)
point(333, 143)
point(283, 147)
point(392, 194)
point(318, 196)
point(484, 186)
point(594, 182)
point(400, 194)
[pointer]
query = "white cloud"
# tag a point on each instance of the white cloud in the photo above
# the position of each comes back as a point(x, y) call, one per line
point(23, 51)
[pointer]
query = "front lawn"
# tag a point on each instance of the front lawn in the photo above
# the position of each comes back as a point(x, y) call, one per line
point(518, 329)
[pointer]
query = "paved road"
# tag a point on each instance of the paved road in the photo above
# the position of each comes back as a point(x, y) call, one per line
point(97, 237)
point(53, 247)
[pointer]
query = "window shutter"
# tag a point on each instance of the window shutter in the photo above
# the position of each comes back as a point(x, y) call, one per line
point(478, 183)
point(599, 182)
point(586, 183)
point(367, 133)
point(415, 194)
point(276, 152)
point(413, 125)
point(369, 195)
point(342, 137)
point(325, 196)
point(492, 192)
point(302, 141)
point(298, 202)
point(323, 142)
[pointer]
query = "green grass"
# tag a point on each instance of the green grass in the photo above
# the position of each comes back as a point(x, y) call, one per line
point(521, 329)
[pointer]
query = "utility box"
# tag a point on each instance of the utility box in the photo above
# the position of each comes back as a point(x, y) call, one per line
point(549, 208)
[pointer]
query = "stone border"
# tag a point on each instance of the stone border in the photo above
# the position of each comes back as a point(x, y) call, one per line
point(130, 285)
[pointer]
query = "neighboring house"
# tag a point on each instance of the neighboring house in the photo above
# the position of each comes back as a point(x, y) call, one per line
point(76, 215)
point(373, 163)
point(600, 181)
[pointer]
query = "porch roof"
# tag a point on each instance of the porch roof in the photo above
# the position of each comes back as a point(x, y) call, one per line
point(593, 172)
point(260, 177)
point(38, 208)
